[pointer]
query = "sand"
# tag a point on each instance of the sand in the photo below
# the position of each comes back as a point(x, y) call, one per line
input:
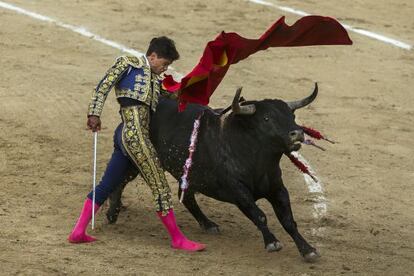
point(365, 103)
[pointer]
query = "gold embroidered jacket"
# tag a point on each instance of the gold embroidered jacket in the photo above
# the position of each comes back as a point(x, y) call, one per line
point(133, 79)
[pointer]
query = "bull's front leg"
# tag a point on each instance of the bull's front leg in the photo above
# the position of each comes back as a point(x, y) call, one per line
point(281, 205)
point(246, 204)
point(191, 204)
point(115, 202)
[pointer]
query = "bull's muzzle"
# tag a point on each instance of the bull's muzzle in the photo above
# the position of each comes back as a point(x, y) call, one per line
point(296, 138)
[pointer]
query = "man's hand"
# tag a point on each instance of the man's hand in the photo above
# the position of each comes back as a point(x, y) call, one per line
point(94, 123)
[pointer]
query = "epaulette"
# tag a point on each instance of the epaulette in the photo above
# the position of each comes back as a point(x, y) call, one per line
point(137, 62)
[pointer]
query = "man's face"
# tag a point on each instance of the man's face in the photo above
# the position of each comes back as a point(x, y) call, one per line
point(158, 64)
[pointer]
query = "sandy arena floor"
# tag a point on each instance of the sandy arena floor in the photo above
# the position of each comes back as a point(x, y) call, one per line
point(365, 102)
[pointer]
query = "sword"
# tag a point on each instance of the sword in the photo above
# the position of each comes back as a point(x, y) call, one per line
point(95, 145)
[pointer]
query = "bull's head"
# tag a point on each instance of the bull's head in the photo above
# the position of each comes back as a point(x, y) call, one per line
point(273, 121)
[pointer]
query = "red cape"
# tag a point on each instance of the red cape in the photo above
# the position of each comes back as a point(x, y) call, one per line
point(230, 48)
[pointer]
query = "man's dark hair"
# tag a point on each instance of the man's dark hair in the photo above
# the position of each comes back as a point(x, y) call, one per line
point(164, 47)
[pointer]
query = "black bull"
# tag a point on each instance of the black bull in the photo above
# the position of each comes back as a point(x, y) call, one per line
point(236, 160)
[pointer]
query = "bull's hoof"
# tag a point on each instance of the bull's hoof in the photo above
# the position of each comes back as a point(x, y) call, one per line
point(210, 227)
point(274, 246)
point(311, 257)
point(112, 218)
point(214, 230)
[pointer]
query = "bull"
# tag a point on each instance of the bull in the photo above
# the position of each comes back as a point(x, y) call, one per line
point(236, 160)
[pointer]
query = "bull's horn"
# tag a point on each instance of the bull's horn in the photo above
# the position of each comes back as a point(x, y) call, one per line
point(304, 102)
point(241, 109)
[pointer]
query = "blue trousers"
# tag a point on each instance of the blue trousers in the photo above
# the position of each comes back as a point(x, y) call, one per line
point(116, 171)
point(133, 150)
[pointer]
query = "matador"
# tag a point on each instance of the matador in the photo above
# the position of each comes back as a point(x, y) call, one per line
point(138, 84)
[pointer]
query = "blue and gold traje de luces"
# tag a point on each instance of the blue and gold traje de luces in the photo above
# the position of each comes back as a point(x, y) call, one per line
point(133, 79)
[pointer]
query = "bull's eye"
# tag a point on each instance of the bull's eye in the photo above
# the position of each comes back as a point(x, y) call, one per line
point(266, 118)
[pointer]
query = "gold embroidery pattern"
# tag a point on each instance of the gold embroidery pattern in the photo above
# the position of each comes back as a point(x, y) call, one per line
point(140, 78)
point(136, 62)
point(146, 85)
point(142, 89)
point(135, 138)
point(156, 87)
point(142, 86)
point(125, 93)
point(102, 90)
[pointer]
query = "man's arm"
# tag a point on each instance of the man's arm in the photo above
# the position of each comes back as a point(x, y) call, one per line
point(105, 85)
point(101, 92)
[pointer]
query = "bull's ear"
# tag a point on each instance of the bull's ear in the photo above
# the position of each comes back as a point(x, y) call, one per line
point(242, 110)
point(304, 102)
